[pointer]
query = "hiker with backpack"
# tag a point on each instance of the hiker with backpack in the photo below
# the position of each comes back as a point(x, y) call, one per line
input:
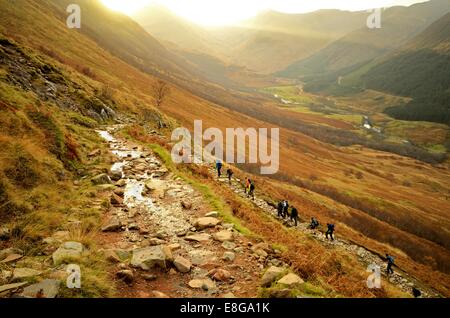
point(330, 231)
point(294, 215)
point(247, 185)
point(280, 207)
point(219, 166)
point(390, 261)
point(285, 209)
point(416, 293)
point(251, 191)
point(229, 174)
point(314, 224)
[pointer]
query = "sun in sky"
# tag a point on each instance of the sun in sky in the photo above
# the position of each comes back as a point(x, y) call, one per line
point(226, 12)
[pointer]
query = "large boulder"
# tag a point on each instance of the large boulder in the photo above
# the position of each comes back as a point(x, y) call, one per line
point(10, 287)
point(149, 257)
point(168, 253)
point(271, 275)
point(223, 236)
point(48, 288)
point(183, 265)
point(101, 179)
point(68, 250)
point(205, 284)
point(202, 237)
point(187, 205)
point(201, 257)
point(220, 275)
point(291, 280)
point(206, 222)
point(228, 256)
point(112, 225)
point(10, 251)
point(126, 275)
point(11, 258)
point(154, 184)
point(116, 175)
point(24, 273)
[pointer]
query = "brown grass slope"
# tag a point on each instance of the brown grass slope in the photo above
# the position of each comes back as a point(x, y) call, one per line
point(411, 198)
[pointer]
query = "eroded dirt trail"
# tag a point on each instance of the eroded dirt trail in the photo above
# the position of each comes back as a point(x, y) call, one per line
point(165, 241)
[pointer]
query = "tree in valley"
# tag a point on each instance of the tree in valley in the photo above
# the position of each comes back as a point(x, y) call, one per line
point(160, 92)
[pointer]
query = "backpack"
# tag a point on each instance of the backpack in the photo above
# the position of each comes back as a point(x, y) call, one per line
point(331, 227)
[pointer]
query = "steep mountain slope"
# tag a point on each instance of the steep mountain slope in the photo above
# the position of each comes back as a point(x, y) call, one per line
point(166, 26)
point(53, 98)
point(320, 179)
point(420, 69)
point(362, 46)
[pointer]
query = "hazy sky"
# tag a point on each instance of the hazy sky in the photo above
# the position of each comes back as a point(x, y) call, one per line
point(219, 12)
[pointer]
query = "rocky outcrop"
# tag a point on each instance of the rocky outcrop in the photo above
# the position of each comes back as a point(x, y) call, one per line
point(183, 265)
point(223, 236)
point(101, 179)
point(48, 288)
point(150, 257)
point(271, 275)
point(291, 280)
point(206, 222)
point(67, 251)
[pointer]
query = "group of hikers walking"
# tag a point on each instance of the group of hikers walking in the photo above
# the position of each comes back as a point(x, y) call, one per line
point(283, 212)
point(249, 184)
point(219, 166)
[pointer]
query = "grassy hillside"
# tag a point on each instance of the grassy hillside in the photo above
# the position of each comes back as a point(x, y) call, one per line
point(55, 92)
point(419, 70)
point(363, 45)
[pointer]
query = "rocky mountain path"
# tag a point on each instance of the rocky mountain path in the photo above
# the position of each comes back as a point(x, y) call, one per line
point(164, 240)
point(400, 278)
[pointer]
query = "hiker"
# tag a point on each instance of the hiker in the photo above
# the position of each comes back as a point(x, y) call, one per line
point(416, 293)
point(285, 209)
point(294, 215)
point(247, 185)
point(280, 208)
point(219, 166)
point(330, 231)
point(314, 224)
point(390, 260)
point(251, 191)
point(229, 174)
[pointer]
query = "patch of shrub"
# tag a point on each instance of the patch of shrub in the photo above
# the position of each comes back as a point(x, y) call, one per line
point(21, 172)
point(62, 146)
point(8, 208)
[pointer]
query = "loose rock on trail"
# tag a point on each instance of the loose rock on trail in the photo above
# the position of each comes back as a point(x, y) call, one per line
point(170, 243)
point(401, 279)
